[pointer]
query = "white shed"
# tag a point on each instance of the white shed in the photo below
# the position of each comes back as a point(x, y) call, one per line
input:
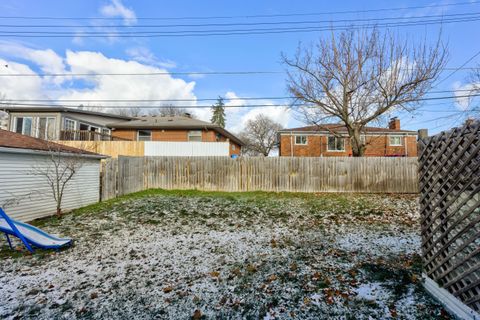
point(26, 195)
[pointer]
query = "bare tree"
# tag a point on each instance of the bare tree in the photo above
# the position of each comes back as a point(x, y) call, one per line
point(260, 136)
point(169, 111)
point(3, 114)
point(130, 112)
point(58, 170)
point(360, 76)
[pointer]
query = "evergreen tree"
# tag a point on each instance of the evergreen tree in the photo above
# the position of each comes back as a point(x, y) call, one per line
point(218, 113)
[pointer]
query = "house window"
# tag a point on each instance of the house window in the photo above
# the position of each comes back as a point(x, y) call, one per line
point(363, 139)
point(106, 134)
point(395, 141)
point(70, 124)
point(301, 140)
point(336, 144)
point(233, 147)
point(23, 125)
point(144, 135)
point(46, 128)
point(195, 135)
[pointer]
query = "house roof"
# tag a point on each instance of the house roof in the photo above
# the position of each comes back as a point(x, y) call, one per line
point(13, 140)
point(336, 127)
point(65, 109)
point(175, 122)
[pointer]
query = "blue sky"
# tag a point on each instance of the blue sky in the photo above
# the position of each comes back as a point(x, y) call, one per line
point(205, 54)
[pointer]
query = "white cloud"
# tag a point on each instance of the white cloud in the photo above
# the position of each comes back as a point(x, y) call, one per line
point(116, 9)
point(87, 87)
point(237, 118)
point(144, 55)
point(47, 60)
point(462, 102)
point(19, 87)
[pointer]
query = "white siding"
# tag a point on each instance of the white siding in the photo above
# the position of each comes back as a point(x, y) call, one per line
point(36, 199)
point(186, 149)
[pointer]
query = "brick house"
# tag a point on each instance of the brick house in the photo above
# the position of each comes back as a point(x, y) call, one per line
point(331, 140)
point(174, 129)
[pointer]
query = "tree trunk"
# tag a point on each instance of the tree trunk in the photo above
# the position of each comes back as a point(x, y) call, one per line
point(358, 148)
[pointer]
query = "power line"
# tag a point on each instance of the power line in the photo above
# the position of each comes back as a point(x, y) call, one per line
point(459, 68)
point(227, 106)
point(193, 100)
point(443, 16)
point(252, 72)
point(245, 16)
point(226, 32)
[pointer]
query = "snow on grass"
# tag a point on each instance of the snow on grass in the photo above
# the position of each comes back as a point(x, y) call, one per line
point(213, 255)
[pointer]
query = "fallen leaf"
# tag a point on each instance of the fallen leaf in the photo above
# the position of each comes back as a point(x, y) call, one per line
point(197, 315)
point(167, 289)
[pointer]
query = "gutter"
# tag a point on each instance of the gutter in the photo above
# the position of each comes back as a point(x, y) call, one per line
point(43, 152)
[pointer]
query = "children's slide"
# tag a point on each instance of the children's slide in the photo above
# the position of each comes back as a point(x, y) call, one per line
point(30, 235)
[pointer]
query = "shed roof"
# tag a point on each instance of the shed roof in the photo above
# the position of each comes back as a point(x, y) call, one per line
point(13, 140)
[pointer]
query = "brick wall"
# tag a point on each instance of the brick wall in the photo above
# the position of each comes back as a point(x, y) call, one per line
point(377, 146)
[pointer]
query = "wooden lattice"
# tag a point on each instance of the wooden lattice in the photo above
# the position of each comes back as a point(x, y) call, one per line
point(449, 180)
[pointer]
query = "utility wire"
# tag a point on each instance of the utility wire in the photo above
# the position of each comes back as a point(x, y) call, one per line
point(443, 16)
point(257, 31)
point(465, 3)
point(226, 106)
point(266, 72)
point(191, 100)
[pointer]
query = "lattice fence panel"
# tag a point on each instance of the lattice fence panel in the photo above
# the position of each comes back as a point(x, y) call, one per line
point(449, 180)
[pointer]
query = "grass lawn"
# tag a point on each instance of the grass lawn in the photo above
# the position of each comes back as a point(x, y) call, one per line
point(189, 254)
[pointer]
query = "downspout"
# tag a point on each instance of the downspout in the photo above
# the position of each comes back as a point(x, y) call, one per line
point(406, 149)
point(291, 144)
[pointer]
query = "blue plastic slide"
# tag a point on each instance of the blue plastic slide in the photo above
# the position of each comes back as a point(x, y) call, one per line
point(30, 235)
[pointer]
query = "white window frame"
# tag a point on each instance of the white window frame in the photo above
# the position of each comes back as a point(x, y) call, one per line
point(37, 131)
point(335, 150)
point(72, 121)
point(395, 144)
point(32, 126)
point(301, 144)
point(138, 135)
point(195, 133)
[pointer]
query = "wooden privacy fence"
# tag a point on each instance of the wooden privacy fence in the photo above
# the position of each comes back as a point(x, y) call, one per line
point(449, 179)
point(130, 174)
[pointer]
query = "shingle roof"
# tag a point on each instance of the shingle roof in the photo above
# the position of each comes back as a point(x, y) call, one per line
point(176, 122)
point(15, 140)
point(335, 127)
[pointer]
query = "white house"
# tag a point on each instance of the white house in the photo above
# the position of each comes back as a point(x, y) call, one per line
point(24, 194)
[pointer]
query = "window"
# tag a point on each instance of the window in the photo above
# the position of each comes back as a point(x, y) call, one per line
point(363, 139)
point(336, 144)
point(46, 128)
point(144, 135)
point(23, 125)
point(301, 140)
point(106, 134)
point(70, 124)
point(233, 147)
point(195, 135)
point(395, 141)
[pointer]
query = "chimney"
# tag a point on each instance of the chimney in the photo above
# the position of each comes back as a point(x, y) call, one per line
point(394, 123)
point(422, 133)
